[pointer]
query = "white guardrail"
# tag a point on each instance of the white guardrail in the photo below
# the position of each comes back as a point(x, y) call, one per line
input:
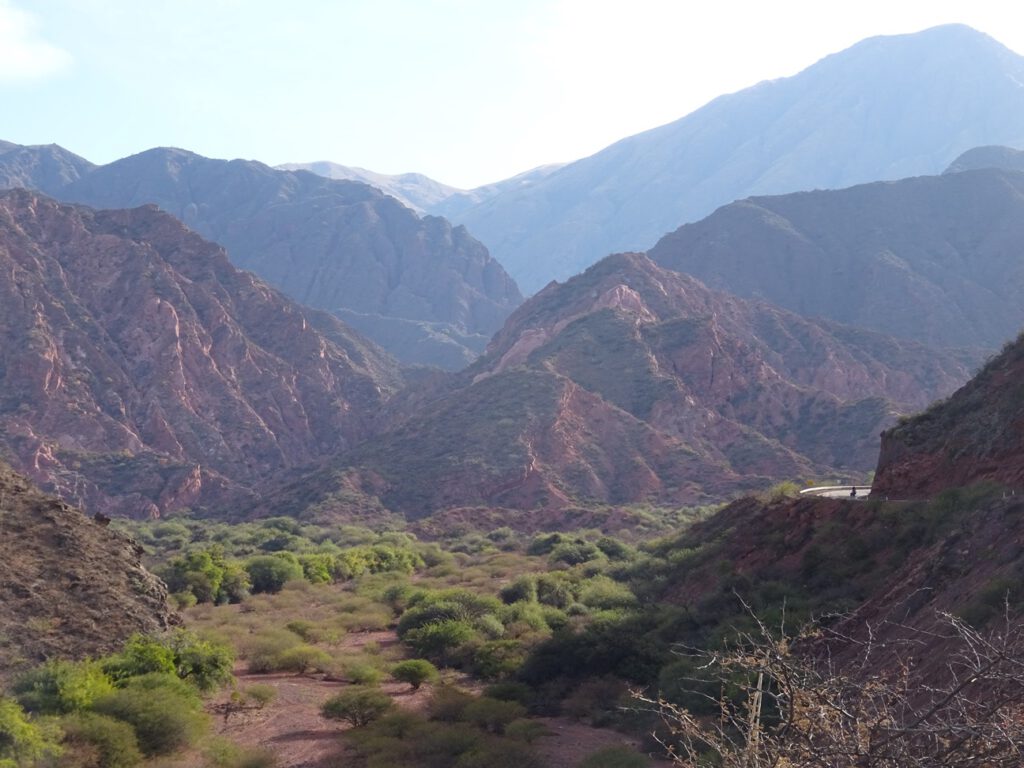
point(839, 491)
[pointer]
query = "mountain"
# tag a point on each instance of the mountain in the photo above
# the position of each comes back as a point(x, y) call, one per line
point(69, 587)
point(975, 435)
point(634, 384)
point(47, 168)
point(424, 287)
point(413, 190)
point(933, 258)
point(886, 108)
point(1006, 158)
point(140, 372)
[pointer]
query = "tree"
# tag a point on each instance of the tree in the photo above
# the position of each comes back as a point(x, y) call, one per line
point(22, 742)
point(357, 704)
point(415, 672)
point(793, 707)
point(268, 573)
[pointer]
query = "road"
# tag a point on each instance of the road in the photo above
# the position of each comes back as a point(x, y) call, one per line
point(838, 491)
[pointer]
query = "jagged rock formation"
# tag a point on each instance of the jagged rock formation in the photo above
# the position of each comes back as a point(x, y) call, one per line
point(69, 586)
point(329, 244)
point(631, 383)
point(977, 434)
point(140, 372)
point(886, 108)
point(934, 258)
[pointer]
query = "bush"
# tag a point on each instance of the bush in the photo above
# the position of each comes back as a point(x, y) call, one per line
point(301, 659)
point(260, 695)
point(164, 712)
point(615, 757)
point(205, 664)
point(415, 672)
point(269, 573)
point(22, 742)
point(522, 589)
point(439, 640)
point(141, 656)
point(358, 705)
point(362, 673)
point(448, 704)
point(575, 552)
point(527, 731)
point(112, 741)
point(59, 687)
point(493, 715)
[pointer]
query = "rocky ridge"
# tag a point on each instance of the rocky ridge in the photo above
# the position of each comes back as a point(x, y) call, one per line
point(69, 586)
point(141, 373)
point(934, 258)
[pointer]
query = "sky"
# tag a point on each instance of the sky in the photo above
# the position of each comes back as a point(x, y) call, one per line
point(465, 91)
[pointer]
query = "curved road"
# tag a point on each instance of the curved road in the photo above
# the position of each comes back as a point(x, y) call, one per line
point(838, 491)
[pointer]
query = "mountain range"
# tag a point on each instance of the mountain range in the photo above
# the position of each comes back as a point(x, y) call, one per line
point(886, 108)
point(631, 383)
point(140, 372)
point(932, 258)
point(424, 289)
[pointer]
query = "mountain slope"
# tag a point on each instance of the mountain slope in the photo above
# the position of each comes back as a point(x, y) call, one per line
point(977, 434)
point(632, 384)
point(426, 288)
point(69, 587)
point(1005, 158)
point(47, 168)
point(140, 372)
point(886, 108)
point(414, 190)
point(934, 258)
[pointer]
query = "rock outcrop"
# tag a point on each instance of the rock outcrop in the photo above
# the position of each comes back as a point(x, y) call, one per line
point(975, 435)
point(70, 587)
point(140, 372)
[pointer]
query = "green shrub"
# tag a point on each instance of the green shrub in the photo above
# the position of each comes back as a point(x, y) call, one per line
point(22, 742)
point(358, 705)
point(527, 731)
point(523, 589)
point(301, 659)
point(269, 573)
point(362, 673)
point(439, 640)
point(575, 552)
point(164, 712)
point(415, 672)
point(448, 704)
point(59, 687)
point(259, 694)
point(141, 656)
point(205, 664)
point(493, 715)
point(112, 741)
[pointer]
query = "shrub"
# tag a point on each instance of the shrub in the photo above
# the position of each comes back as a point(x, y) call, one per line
point(415, 672)
point(59, 687)
point(205, 664)
point(448, 704)
point(141, 656)
point(260, 695)
point(439, 640)
point(112, 741)
point(269, 573)
point(358, 705)
point(493, 715)
point(163, 711)
point(522, 589)
point(527, 731)
point(22, 742)
point(300, 659)
point(362, 673)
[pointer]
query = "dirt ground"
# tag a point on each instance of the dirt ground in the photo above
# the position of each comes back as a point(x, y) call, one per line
point(291, 727)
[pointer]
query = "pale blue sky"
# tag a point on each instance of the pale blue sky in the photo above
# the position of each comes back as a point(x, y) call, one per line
point(466, 91)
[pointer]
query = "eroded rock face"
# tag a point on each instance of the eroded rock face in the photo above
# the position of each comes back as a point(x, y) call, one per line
point(631, 383)
point(975, 435)
point(140, 372)
point(69, 586)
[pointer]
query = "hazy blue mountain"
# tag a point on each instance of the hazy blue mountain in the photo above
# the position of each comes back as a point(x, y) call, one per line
point(414, 190)
point(45, 167)
point(423, 288)
point(931, 258)
point(886, 108)
point(1006, 158)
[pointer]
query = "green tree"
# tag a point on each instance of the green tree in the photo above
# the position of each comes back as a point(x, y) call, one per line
point(23, 744)
point(358, 705)
point(415, 672)
point(268, 573)
point(164, 712)
point(112, 741)
point(59, 687)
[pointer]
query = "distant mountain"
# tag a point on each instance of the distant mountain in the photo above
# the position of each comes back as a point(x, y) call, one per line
point(461, 200)
point(934, 258)
point(1005, 158)
point(69, 587)
point(333, 245)
point(48, 168)
point(630, 384)
point(413, 190)
point(977, 434)
point(886, 108)
point(141, 373)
